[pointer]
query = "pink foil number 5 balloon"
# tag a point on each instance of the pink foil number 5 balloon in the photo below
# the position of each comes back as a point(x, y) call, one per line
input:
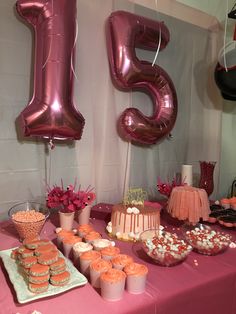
point(126, 31)
point(51, 113)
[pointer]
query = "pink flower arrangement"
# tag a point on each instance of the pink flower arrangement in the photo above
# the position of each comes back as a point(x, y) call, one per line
point(69, 200)
point(166, 188)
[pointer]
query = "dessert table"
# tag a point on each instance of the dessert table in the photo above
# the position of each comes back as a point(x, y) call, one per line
point(201, 284)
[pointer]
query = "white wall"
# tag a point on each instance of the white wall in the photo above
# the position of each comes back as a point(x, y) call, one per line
point(219, 9)
point(19, 163)
point(25, 165)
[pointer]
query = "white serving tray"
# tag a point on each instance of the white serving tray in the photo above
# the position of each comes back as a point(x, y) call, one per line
point(22, 292)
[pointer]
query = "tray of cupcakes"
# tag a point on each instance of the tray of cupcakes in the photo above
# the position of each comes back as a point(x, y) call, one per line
point(224, 212)
point(108, 270)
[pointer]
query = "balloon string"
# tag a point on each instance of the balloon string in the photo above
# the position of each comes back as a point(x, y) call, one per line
point(50, 167)
point(158, 48)
point(71, 60)
point(51, 146)
point(225, 31)
point(128, 153)
point(159, 41)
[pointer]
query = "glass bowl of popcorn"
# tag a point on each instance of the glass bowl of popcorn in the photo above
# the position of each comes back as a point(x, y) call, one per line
point(28, 218)
point(164, 248)
point(205, 240)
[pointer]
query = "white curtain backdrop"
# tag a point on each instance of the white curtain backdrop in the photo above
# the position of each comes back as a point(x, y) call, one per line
point(101, 159)
point(110, 163)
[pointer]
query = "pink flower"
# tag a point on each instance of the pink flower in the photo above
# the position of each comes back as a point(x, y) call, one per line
point(69, 200)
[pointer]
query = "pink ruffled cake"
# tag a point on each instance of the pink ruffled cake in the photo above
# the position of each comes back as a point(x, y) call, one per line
point(189, 203)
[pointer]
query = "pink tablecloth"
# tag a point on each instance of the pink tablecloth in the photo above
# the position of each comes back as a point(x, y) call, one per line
point(201, 284)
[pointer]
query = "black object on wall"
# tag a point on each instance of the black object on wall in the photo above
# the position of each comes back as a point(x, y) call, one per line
point(226, 78)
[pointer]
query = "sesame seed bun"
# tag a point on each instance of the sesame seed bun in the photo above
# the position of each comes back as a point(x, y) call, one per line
point(38, 279)
point(58, 264)
point(38, 288)
point(58, 271)
point(48, 258)
point(26, 253)
point(29, 261)
point(39, 270)
point(61, 279)
point(44, 249)
point(14, 254)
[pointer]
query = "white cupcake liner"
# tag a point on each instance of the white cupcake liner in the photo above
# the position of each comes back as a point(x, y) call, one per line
point(84, 266)
point(59, 242)
point(95, 278)
point(112, 291)
point(67, 249)
point(135, 284)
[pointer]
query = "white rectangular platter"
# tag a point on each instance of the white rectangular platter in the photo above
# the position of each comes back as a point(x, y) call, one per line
point(22, 292)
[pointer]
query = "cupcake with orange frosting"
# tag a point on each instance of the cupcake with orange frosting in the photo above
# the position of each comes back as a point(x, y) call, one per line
point(85, 260)
point(67, 244)
point(97, 267)
point(121, 260)
point(136, 277)
point(109, 252)
point(112, 284)
point(82, 230)
point(91, 236)
point(62, 235)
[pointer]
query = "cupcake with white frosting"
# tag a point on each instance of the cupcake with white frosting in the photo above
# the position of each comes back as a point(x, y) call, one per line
point(100, 244)
point(79, 248)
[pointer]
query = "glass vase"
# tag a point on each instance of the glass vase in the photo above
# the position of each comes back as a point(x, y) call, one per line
point(207, 176)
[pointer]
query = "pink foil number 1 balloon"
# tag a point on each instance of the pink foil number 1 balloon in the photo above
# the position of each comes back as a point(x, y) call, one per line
point(126, 31)
point(51, 113)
